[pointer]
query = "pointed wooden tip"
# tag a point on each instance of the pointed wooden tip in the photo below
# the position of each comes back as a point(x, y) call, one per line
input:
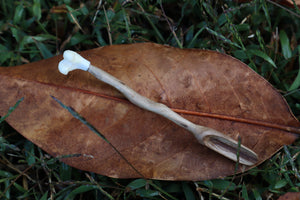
point(231, 149)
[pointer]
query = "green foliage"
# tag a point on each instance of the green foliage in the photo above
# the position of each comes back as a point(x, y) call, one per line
point(259, 33)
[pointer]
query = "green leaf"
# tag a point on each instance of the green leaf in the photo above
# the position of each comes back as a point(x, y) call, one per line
point(36, 9)
point(84, 10)
point(296, 82)
point(158, 188)
point(209, 9)
point(79, 190)
point(240, 54)
point(192, 43)
point(244, 192)
point(65, 172)
point(263, 56)
point(78, 38)
point(110, 14)
point(6, 185)
point(44, 197)
point(138, 183)
point(18, 14)
point(242, 27)
point(100, 38)
point(266, 11)
point(5, 174)
point(173, 187)
point(19, 187)
point(256, 194)
point(31, 39)
point(46, 53)
point(73, 14)
point(280, 184)
point(220, 184)
point(147, 193)
point(285, 45)
point(29, 146)
point(16, 33)
point(188, 192)
point(5, 54)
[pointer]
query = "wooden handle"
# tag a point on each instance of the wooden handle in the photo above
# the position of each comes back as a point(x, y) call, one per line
point(209, 137)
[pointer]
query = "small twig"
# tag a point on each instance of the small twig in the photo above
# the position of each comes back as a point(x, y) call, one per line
point(98, 9)
point(76, 22)
point(66, 41)
point(12, 182)
point(199, 189)
point(98, 186)
point(108, 27)
point(11, 166)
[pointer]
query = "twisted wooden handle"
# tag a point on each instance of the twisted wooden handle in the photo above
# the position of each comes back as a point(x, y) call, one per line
point(209, 137)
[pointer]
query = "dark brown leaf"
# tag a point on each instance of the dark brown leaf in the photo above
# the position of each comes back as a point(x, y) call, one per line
point(206, 87)
point(288, 3)
point(290, 196)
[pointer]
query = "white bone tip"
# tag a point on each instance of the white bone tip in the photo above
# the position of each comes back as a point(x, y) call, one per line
point(72, 61)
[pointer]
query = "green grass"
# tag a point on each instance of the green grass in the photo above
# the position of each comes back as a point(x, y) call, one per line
point(259, 33)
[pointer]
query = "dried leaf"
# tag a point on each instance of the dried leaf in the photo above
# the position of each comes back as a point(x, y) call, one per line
point(290, 196)
point(206, 87)
point(289, 3)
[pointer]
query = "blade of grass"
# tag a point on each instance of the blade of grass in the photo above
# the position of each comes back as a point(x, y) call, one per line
point(80, 118)
point(266, 12)
point(244, 192)
point(11, 109)
point(126, 19)
point(161, 190)
point(137, 183)
point(159, 35)
point(223, 38)
point(285, 45)
point(92, 128)
point(263, 56)
point(296, 82)
point(79, 190)
point(284, 8)
point(291, 160)
point(191, 44)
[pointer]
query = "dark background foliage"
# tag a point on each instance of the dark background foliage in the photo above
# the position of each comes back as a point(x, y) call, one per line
point(259, 33)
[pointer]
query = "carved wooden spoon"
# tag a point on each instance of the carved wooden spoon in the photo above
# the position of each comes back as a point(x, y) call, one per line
point(209, 137)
